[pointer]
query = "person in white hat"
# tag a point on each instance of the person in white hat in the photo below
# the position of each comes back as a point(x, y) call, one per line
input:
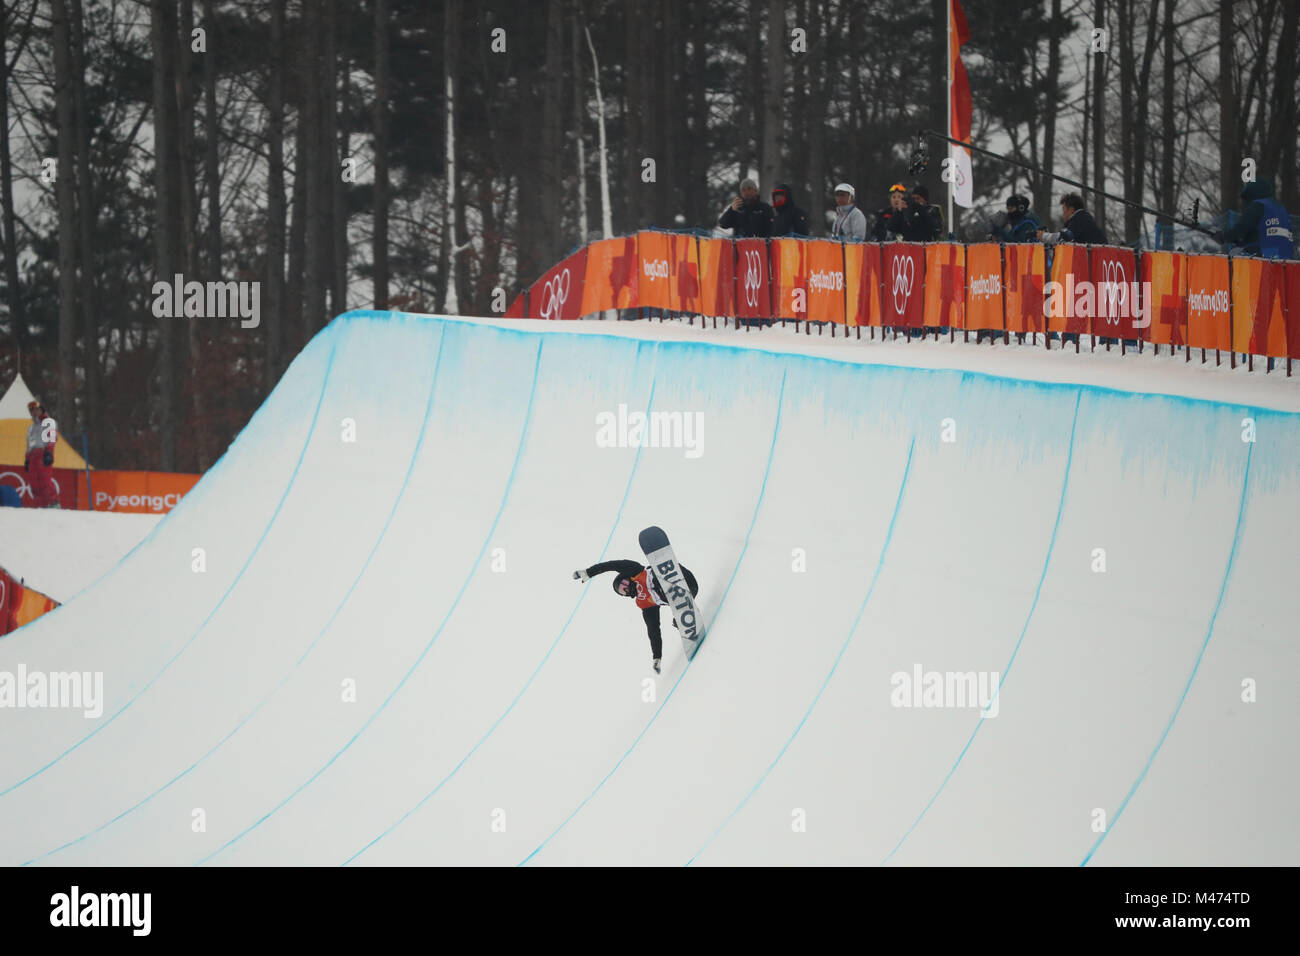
point(849, 222)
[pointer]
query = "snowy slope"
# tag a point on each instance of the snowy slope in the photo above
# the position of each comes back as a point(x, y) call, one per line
point(60, 553)
point(385, 658)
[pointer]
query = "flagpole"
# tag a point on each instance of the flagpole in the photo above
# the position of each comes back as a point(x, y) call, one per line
point(952, 184)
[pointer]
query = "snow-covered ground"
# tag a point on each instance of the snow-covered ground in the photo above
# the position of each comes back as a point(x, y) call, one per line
point(358, 639)
point(61, 553)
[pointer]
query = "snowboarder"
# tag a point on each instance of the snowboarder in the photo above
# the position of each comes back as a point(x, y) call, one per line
point(634, 580)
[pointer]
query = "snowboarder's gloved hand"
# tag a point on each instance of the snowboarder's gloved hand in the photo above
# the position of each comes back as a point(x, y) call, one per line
point(49, 458)
point(580, 575)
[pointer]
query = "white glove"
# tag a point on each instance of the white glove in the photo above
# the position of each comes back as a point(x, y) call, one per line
point(580, 575)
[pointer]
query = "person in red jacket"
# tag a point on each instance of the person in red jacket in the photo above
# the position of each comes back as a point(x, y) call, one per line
point(42, 434)
point(634, 580)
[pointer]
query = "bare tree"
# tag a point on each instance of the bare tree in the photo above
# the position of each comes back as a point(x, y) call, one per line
point(1282, 129)
point(13, 287)
point(310, 166)
point(579, 108)
point(65, 187)
point(1051, 105)
point(273, 323)
point(773, 94)
point(383, 82)
point(451, 33)
point(606, 219)
point(211, 154)
point(1167, 170)
point(1229, 146)
point(86, 224)
point(552, 116)
point(167, 232)
point(1099, 120)
point(336, 76)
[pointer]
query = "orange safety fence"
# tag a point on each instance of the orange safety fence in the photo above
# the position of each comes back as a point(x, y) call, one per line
point(20, 605)
point(985, 304)
point(1258, 322)
point(945, 285)
point(1164, 305)
point(133, 492)
point(1165, 298)
point(1209, 303)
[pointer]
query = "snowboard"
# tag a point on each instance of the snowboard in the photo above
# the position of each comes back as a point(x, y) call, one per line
point(663, 564)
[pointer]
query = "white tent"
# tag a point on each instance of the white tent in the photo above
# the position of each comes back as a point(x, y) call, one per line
point(14, 419)
point(13, 404)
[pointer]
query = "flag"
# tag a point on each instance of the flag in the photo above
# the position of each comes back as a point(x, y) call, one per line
point(959, 107)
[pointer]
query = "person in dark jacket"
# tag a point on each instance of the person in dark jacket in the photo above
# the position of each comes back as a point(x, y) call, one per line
point(634, 580)
point(922, 221)
point(1079, 226)
point(889, 221)
point(1082, 229)
point(789, 219)
point(1264, 228)
point(1020, 223)
point(748, 215)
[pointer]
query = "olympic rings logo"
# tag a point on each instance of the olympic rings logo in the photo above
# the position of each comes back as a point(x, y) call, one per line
point(903, 273)
point(555, 293)
point(1114, 288)
point(24, 489)
point(753, 277)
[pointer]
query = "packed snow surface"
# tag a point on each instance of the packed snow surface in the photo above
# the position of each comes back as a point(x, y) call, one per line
point(966, 605)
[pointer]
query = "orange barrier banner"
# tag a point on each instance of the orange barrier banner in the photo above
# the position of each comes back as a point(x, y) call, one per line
point(824, 274)
point(558, 293)
point(1258, 317)
point(655, 275)
point(1209, 301)
point(65, 485)
point(945, 285)
point(1291, 296)
point(20, 605)
point(611, 283)
point(684, 294)
point(1164, 282)
point(1168, 298)
point(135, 492)
point(752, 280)
point(984, 300)
point(1119, 310)
point(789, 280)
point(1071, 302)
point(717, 277)
point(904, 274)
point(1023, 280)
point(862, 276)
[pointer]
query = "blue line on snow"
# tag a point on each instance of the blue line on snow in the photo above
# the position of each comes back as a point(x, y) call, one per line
point(523, 440)
point(618, 517)
point(776, 431)
point(1223, 589)
point(889, 535)
point(428, 409)
point(257, 547)
point(1006, 671)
